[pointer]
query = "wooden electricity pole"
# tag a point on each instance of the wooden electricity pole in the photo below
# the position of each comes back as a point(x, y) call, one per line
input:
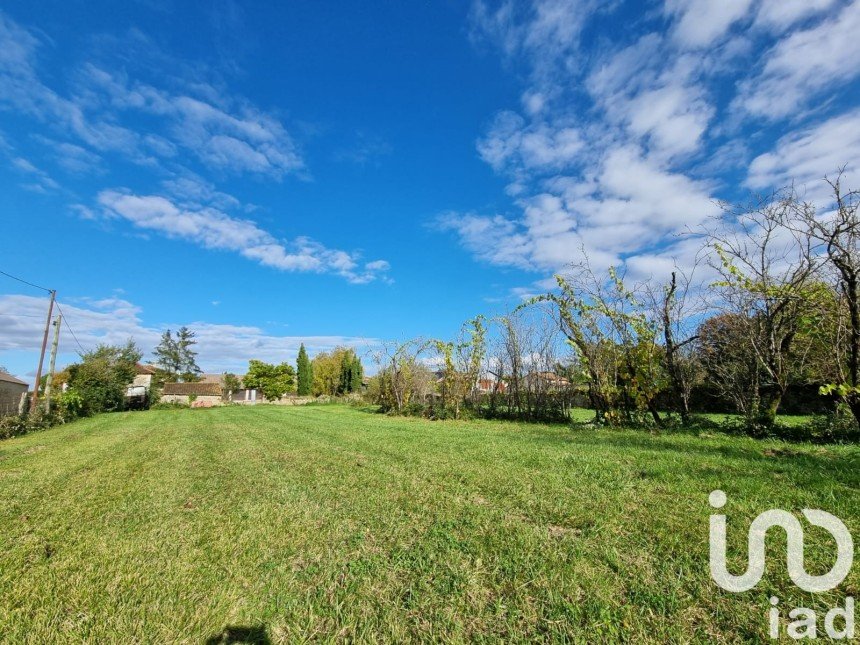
point(54, 345)
point(35, 398)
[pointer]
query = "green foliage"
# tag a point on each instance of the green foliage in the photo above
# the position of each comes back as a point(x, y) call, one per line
point(167, 358)
point(614, 342)
point(69, 405)
point(101, 378)
point(305, 376)
point(272, 380)
point(17, 425)
point(189, 371)
point(176, 359)
point(230, 383)
point(351, 373)
point(336, 373)
point(461, 366)
point(172, 405)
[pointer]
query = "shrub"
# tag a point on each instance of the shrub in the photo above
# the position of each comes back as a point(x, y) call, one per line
point(14, 426)
point(173, 405)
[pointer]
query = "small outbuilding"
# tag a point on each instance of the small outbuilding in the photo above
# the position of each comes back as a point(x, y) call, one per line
point(11, 391)
point(194, 394)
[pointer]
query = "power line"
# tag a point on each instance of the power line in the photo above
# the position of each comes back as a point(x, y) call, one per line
point(9, 275)
point(66, 320)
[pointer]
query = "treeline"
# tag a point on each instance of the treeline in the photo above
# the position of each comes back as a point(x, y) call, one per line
point(101, 379)
point(96, 383)
point(335, 373)
point(770, 305)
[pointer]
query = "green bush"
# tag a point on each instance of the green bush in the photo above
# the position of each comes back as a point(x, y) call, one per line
point(69, 405)
point(169, 406)
point(17, 425)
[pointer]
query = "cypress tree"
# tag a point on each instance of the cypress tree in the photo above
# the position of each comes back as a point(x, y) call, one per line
point(305, 373)
point(356, 374)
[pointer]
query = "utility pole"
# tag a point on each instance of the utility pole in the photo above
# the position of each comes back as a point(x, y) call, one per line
point(57, 322)
point(35, 398)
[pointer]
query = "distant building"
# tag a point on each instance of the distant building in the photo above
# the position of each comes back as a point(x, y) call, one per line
point(204, 394)
point(490, 386)
point(142, 380)
point(547, 381)
point(11, 390)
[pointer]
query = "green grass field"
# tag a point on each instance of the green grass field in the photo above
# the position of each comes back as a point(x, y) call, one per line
point(330, 523)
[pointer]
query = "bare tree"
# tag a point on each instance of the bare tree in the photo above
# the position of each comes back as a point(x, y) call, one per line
point(461, 361)
point(676, 306)
point(767, 270)
point(614, 339)
point(837, 234)
point(398, 372)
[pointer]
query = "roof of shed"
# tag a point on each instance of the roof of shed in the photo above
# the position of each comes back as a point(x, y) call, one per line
point(197, 389)
point(8, 378)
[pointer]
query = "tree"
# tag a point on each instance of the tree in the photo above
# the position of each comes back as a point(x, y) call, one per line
point(103, 374)
point(351, 372)
point(768, 271)
point(729, 361)
point(272, 380)
point(837, 236)
point(461, 364)
point(401, 378)
point(615, 342)
point(175, 358)
point(305, 373)
point(356, 375)
point(676, 310)
point(325, 370)
point(188, 369)
point(230, 383)
point(167, 358)
point(337, 372)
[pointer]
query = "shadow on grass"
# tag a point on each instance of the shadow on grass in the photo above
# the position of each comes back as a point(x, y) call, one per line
point(240, 634)
point(840, 464)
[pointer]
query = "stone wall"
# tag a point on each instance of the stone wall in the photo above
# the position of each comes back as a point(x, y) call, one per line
point(10, 397)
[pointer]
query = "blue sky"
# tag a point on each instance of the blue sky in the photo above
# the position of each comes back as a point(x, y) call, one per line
point(344, 172)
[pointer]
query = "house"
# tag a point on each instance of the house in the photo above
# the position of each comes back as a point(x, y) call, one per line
point(490, 386)
point(202, 395)
point(142, 382)
point(547, 381)
point(242, 395)
point(11, 391)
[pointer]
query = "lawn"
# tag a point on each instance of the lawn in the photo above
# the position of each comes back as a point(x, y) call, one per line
point(328, 523)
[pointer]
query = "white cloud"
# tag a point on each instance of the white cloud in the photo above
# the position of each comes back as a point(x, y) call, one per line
point(802, 65)
point(782, 14)
point(809, 154)
point(510, 143)
point(547, 32)
point(38, 180)
point(239, 139)
point(114, 320)
point(624, 210)
point(214, 229)
point(702, 22)
point(232, 135)
point(600, 179)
